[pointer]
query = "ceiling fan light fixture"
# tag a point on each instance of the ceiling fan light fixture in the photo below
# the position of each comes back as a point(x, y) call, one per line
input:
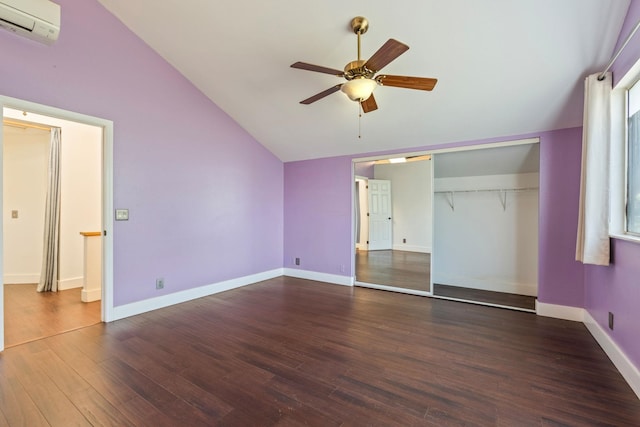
point(359, 89)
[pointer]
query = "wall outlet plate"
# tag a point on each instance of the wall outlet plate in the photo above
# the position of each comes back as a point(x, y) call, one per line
point(122, 214)
point(159, 283)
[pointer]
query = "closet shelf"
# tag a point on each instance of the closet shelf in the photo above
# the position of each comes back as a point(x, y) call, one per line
point(502, 194)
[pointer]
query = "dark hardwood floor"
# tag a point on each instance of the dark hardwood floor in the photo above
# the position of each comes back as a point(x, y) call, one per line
point(292, 352)
point(401, 269)
point(31, 315)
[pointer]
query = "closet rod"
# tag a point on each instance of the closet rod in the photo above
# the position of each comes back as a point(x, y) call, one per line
point(489, 190)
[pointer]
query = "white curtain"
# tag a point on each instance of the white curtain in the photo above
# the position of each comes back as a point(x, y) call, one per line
point(49, 273)
point(592, 245)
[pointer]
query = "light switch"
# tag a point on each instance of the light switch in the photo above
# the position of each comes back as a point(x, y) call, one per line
point(14, 214)
point(122, 214)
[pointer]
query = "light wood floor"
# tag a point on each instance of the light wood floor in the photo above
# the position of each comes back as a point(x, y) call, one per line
point(292, 352)
point(31, 315)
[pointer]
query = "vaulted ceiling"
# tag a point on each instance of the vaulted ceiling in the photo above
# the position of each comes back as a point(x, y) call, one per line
point(504, 67)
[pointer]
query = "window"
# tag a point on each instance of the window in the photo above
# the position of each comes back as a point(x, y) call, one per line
point(625, 157)
point(633, 161)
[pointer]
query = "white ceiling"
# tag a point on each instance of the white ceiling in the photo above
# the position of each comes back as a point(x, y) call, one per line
point(504, 67)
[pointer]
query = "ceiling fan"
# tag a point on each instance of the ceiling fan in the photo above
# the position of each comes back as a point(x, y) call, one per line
point(360, 74)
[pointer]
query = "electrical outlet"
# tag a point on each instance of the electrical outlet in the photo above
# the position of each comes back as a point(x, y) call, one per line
point(160, 283)
point(122, 214)
point(611, 321)
point(404, 240)
point(297, 261)
point(14, 214)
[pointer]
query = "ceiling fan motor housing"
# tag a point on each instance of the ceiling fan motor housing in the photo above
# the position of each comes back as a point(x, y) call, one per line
point(356, 69)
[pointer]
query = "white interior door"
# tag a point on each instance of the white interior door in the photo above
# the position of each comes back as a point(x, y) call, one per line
point(380, 224)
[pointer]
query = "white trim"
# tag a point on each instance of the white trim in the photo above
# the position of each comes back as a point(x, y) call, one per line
point(107, 223)
point(620, 360)
point(90, 295)
point(75, 282)
point(625, 236)
point(564, 312)
point(134, 308)
point(320, 277)
point(412, 248)
point(21, 279)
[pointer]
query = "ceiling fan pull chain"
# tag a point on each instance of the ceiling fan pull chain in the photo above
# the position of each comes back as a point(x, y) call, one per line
point(359, 120)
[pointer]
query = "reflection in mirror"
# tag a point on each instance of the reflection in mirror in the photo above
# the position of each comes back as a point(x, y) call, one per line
point(393, 224)
point(485, 210)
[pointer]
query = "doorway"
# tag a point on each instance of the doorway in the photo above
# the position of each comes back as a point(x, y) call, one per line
point(86, 204)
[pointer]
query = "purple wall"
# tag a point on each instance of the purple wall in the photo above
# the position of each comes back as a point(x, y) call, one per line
point(616, 288)
point(560, 276)
point(365, 169)
point(205, 198)
point(317, 215)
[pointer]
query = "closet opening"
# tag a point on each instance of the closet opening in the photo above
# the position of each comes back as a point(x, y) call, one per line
point(463, 225)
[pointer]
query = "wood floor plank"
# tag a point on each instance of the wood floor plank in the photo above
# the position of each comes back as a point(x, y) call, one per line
point(56, 407)
point(296, 352)
point(17, 407)
point(97, 410)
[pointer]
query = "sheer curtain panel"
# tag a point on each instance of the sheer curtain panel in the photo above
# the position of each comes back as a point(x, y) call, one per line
point(49, 273)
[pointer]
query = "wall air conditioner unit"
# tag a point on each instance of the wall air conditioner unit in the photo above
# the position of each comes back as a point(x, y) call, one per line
point(36, 19)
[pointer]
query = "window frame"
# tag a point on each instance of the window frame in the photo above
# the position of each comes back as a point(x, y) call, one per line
point(619, 144)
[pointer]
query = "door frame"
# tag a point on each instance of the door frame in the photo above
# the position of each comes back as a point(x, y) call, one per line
point(107, 195)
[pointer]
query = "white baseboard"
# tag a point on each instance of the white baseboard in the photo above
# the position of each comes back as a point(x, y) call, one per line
point(75, 282)
point(564, 312)
point(132, 309)
point(412, 248)
point(320, 277)
point(629, 372)
point(91, 295)
point(21, 279)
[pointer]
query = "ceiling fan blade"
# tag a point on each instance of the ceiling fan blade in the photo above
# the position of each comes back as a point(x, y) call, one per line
point(317, 68)
point(420, 83)
point(387, 53)
point(369, 104)
point(321, 95)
